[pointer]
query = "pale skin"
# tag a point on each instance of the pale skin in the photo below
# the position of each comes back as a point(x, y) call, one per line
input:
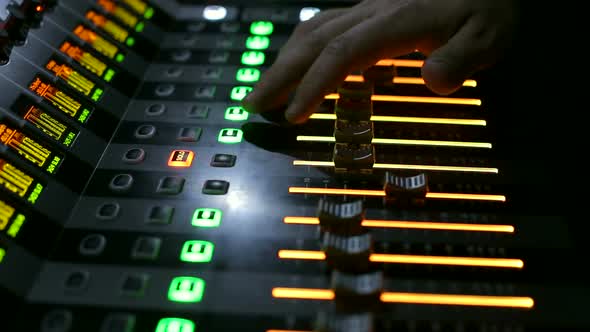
point(459, 38)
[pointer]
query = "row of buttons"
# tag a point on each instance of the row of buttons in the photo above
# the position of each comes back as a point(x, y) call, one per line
point(180, 158)
point(162, 215)
point(169, 185)
point(232, 113)
point(193, 134)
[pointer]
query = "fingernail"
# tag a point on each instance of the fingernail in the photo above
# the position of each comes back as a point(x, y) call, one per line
point(291, 114)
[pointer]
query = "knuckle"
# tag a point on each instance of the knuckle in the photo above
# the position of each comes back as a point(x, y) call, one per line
point(338, 46)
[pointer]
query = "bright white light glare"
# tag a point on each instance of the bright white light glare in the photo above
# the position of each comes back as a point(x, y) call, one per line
point(214, 13)
point(308, 12)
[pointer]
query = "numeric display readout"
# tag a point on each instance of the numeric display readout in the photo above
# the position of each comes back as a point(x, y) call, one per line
point(74, 79)
point(18, 182)
point(55, 96)
point(11, 220)
point(87, 60)
point(47, 123)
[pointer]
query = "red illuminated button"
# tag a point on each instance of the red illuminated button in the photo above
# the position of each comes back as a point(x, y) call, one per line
point(181, 158)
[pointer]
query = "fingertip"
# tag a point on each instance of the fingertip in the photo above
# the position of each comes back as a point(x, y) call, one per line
point(440, 77)
point(249, 103)
point(295, 115)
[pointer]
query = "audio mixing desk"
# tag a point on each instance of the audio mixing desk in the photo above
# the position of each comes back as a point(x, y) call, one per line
point(137, 195)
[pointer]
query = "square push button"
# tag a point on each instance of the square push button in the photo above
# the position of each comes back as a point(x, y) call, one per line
point(146, 247)
point(160, 215)
point(173, 324)
point(189, 134)
point(198, 112)
point(219, 57)
point(206, 92)
point(215, 187)
point(236, 113)
point(121, 182)
point(261, 28)
point(134, 156)
point(186, 289)
point(134, 285)
point(230, 136)
point(223, 160)
point(247, 75)
point(197, 252)
point(118, 323)
point(108, 211)
point(253, 58)
point(206, 217)
point(258, 43)
point(239, 92)
point(211, 74)
point(181, 158)
point(170, 185)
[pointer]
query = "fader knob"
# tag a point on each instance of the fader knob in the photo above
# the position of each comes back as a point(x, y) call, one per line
point(344, 322)
point(357, 291)
point(359, 91)
point(341, 218)
point(380, 75)
point(353, 110)
point(404, 190)
point(347, 253)
point(357, 132)
point(358, 158)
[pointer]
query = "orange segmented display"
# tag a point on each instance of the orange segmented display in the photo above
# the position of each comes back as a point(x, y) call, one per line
point(18, 182)
point(100, 44)
point(74, 79)
point(49, 125)
point(59, 99)
point(113, 29)
point(119, 12)
point(84, 58)
point(406, 80)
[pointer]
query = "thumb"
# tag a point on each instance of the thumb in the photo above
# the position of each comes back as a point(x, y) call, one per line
point(447, 67)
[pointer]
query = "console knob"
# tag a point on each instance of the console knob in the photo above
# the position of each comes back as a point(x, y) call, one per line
point(347, 253)
point(405, 190)
point(357, 291)
point(357, 132)
point(356, 158)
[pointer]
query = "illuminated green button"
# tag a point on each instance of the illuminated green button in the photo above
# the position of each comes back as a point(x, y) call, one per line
point(236, 113)
point(172, 324)
point(197, 252)
point(186, 289)
point(248, 75)
point(239, 92)
point(257, 42)
point(206, 217)
point(252, 58)
point(230, 136)
point(261, 28)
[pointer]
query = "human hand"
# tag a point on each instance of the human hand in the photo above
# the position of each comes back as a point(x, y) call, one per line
point(459, 38)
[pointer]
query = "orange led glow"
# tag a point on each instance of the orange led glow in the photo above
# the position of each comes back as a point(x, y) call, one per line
point(381, 193)
point(397, 141)
point(406, 80)
point(413, 225)
point(408, 119)
point(419, 99)
point(413, 298)
point(455, 299)
point(39, 8)
point(414, 259)
point(181, 158)
point(401, 63)
point(439, 168)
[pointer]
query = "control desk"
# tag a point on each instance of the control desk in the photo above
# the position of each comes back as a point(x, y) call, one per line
point(137, 195)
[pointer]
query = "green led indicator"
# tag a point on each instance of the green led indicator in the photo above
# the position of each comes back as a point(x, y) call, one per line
point(206, 217)
point(186, 289)
point(139, 27)
point(35, 194)
point(108, 76)
point(257, 42)
point(2, 254)
point(248, 75)
point(236, 113)
point(230, 136)
point(84, 116)
point(172, 324)
point(252, 58)
point(149, 13)
point(130, 41)
point(261, 28)
point(120, 57)
point(239, 92)
point(16, 226)
point(97, 94)
point(197, 252)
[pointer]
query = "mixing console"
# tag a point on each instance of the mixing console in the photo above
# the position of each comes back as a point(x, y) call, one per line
point(137, 195)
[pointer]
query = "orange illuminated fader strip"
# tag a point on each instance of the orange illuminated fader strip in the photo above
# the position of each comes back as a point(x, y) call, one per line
point(413, 225)
point(406, 80)
point(381, 193)
point(413, 259)
point(418, 99)
point(413, 298)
